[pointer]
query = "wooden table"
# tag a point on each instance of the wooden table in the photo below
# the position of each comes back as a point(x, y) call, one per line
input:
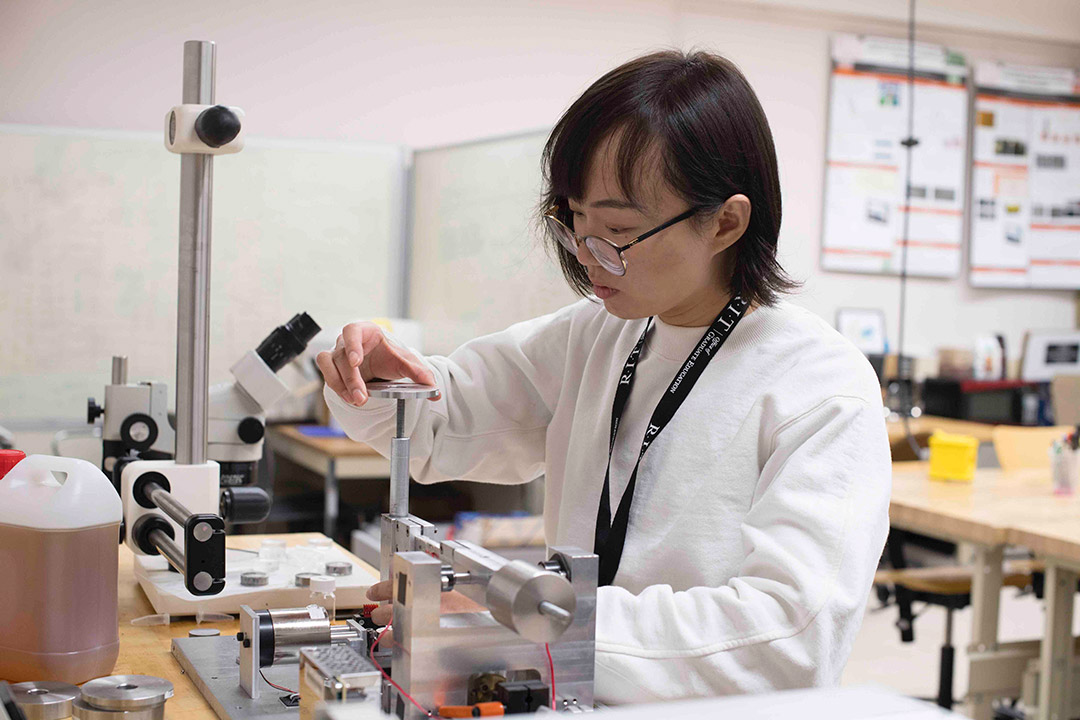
point(147, 650)
point(924, 426)
point(334, 458)
point(997, 509)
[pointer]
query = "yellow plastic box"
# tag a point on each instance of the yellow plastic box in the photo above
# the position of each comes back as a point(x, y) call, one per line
point(953, 457)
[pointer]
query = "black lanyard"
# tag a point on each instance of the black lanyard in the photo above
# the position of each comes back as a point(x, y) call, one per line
point(611, 536)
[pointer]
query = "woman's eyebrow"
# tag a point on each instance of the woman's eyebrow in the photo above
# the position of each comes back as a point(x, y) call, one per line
point(616, 204)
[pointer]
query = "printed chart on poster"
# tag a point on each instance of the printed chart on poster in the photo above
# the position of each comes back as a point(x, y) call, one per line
point(866, 160)
point(1025, 179)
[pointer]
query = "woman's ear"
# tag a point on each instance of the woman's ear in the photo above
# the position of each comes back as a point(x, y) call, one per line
point(731, 222)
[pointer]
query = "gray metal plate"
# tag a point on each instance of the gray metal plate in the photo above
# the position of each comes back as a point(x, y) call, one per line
point(211, 664)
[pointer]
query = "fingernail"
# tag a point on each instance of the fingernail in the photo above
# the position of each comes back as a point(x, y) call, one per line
point(358, 397)
point(354, 359)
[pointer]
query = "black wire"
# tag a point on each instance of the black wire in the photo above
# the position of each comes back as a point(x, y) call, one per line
point(903, 372)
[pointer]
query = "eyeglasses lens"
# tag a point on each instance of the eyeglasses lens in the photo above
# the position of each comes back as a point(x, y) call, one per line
point(563, 235)
point(605, 254)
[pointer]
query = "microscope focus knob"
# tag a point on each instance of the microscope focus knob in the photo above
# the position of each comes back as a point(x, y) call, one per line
point(217, 126)
point(93, 411)
point(250, 430)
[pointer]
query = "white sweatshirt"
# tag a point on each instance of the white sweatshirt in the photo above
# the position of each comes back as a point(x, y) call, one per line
point(760, 511)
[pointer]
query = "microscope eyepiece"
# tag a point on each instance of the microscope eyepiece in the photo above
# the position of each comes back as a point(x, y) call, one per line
point(287, 341)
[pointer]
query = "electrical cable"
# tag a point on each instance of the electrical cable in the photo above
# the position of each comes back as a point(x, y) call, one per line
point(551, 674)
point(909, 143)
point(277, 687)
point(390, 680)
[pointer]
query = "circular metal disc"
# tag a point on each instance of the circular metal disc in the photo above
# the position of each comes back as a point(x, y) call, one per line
point(338, 568)
point(254, 578)
point(44, 700)
point(127, 692)
point(401, 390)
point(514, 594)
point(303, 579)
point(203, 632)
point(82, 710)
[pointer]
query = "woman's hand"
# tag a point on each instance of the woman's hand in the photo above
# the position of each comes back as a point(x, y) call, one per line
point(450, 602)
point(363, 352)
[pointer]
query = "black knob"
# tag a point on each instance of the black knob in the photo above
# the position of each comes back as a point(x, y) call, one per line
point(250, 430)
point(244, 504)
point(93, 411)
point(217, 126)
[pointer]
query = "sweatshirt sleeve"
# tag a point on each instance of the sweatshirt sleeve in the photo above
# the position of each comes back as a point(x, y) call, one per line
point(812, 539)
point(490, 425)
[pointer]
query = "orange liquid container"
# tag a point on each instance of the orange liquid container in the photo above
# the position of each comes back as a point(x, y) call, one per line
point(59, 526)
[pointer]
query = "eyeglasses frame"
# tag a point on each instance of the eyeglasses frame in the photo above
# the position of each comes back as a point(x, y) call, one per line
point(553, 214)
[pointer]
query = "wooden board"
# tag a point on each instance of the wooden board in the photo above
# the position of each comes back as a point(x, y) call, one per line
point(332, 446)
point(146, 650)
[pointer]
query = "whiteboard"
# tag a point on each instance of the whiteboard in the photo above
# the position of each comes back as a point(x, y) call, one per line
point(1025, 189)
point(89, 227)
point(866, 164)
point(478, 263)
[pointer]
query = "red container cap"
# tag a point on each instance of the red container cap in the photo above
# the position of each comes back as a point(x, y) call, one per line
point(9, 459)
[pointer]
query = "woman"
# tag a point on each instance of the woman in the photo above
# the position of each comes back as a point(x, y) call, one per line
point(724, 452)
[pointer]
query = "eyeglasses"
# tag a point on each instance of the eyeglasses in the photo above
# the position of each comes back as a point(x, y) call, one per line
point(607, 253)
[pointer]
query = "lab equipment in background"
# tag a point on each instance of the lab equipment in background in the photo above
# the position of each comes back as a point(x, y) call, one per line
point(1047, 354)
point(953, 457)
point(59, 523)
point(1010, 402)
point(989, 360)
point(1065, 463)
point(45, 700)
point(529, 642)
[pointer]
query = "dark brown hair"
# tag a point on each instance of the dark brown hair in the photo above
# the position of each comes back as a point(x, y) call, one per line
point(698, 117)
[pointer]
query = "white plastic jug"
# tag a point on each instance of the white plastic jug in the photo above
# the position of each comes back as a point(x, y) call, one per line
point(59, 532)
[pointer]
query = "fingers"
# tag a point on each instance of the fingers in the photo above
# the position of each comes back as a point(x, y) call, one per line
point(382, 615)
point(325, 361)
point(380, 591)
point(356, 391)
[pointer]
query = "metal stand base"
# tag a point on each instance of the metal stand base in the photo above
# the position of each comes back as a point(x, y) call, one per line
point(211, 664)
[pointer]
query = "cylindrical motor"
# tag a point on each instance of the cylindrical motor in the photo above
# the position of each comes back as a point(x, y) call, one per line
point(291, 627)
point(534, 603)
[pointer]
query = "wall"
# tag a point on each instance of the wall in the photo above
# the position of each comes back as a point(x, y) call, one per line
point(425, 73)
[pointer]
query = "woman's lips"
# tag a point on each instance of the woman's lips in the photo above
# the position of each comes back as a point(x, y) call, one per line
point(604, 292)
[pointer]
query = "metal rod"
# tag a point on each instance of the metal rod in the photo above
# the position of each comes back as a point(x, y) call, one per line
point(400, 420)
point(193, 291)
point(553, 610)
point(168, 504)
point(119, 370)
point(399, 476)
point(168, 548)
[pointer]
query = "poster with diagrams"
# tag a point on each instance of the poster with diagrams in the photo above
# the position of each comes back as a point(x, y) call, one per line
point(1025, 179)
point(866, 160)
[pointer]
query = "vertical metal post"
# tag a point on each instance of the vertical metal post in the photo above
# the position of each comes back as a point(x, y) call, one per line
point(193, 305)
point(399, 467)
point(119, 369)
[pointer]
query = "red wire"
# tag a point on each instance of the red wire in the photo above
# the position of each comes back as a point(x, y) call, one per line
point(389, 679)
point(278, 687)
point(551, 674)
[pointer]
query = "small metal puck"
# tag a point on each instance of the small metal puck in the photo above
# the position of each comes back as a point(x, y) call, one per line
point(339, 568)
point(254, 579)
point(203, 632)
point(303, 579)
point(127, 692)
point(82, 710)
point(44, 700)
